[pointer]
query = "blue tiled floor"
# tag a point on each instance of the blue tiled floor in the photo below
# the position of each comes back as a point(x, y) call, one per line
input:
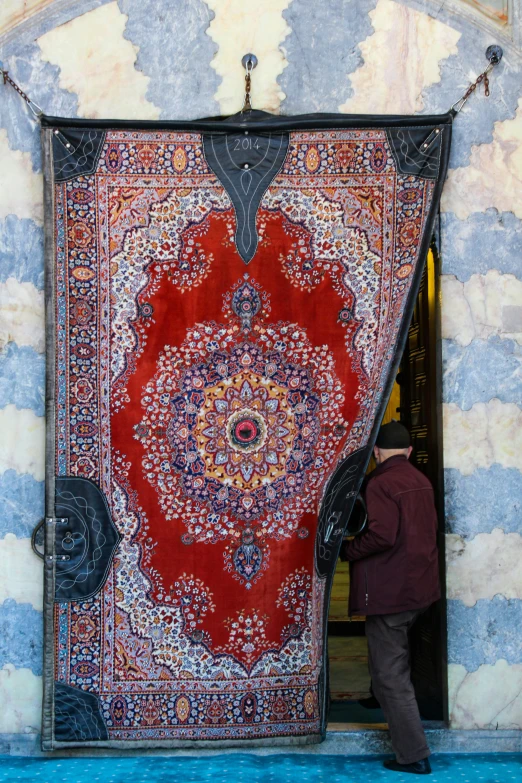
point(244, 768)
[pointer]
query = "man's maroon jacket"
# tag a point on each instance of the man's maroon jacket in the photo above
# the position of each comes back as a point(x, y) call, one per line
point(394, 563)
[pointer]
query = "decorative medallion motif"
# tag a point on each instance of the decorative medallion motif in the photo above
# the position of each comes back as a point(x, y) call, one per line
point(235, 429)
point(312, 160)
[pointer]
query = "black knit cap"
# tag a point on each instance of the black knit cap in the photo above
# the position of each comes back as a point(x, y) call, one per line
point(393, 435)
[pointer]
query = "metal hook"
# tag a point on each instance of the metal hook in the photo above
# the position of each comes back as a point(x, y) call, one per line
point(494, 54)
point(249, 60)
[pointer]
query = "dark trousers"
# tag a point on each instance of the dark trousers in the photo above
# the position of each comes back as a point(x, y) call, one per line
point(389, 664)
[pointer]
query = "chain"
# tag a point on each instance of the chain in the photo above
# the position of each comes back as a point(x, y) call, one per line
point(247, 106)
point(472, 87)
point(36, 110)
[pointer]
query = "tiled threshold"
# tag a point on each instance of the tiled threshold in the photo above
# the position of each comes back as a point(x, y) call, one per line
point(342, 739)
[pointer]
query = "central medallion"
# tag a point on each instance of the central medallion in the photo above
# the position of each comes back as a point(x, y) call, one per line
point(246, 431)
point(234, 428)
point(243, 434)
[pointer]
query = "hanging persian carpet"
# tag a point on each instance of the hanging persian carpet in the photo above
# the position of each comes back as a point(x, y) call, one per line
point(227, 305)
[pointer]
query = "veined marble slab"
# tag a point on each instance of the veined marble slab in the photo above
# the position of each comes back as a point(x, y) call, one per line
point(21, 640)
point(489, 698)
point(483, 567)
point(21, 315)
point(98, 64)
point(477, 633)
point(22, 378)
point(493, 177)
point(240, 27)
point(485, 434)
point(484, 241)
point(12, 12)
point(21, 188)
point(483, 306)
point(21, 251)
point(22, 445)
point(175, 53)
point(482, 370)
point(389, 83)
point(21, 503)
point(488, 498)
point(21, 700)
point(22, 572)
point(311, 81)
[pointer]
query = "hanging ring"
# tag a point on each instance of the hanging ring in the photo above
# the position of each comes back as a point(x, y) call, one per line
point(36, 110)
point(34, 536)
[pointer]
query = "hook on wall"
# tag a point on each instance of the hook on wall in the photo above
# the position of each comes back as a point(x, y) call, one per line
point(494, 54)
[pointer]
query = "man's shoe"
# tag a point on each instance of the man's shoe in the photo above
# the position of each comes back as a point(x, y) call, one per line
point(370, 703)
point(422, 767)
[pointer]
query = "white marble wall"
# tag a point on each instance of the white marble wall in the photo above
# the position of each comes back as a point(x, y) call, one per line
point(407, 58)
point(486, 434)
point(99, 69)
point(493, 177)
point(479, 312)
point(21, 697)
point(20, 185)
point(21, 314)
point(482, 307)
point(239, 27)
point(496, 554)
point(398, 64)
point(490, 697)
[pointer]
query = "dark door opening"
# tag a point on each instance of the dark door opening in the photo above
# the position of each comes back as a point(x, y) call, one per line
point(416, 401)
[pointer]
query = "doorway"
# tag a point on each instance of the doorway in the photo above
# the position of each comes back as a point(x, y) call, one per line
point(416, 401)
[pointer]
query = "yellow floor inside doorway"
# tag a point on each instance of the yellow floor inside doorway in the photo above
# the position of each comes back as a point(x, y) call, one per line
point(348, 656)
point(349, 678)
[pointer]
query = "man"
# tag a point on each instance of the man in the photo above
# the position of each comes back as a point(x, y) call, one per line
point(394, 577)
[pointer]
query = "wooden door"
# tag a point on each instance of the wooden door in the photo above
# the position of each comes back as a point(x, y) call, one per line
point(420, 411)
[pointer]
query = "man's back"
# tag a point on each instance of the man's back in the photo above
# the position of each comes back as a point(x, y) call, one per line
point(394, 563)
point(394, 577)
